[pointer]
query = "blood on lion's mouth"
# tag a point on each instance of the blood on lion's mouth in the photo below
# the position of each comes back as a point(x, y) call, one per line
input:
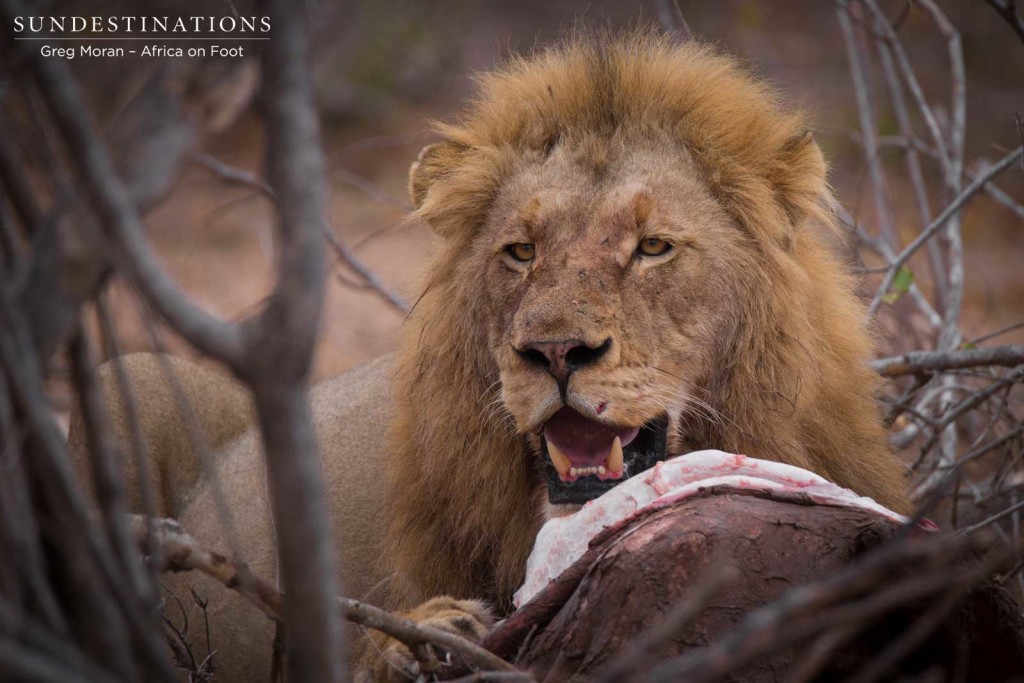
point(585, 457)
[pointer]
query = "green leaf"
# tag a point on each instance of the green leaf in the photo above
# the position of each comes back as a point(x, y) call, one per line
point(904, 278)
point(900, 285)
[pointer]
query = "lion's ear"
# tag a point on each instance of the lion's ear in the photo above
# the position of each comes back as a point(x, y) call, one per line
point(433, 162)
point(800, 183)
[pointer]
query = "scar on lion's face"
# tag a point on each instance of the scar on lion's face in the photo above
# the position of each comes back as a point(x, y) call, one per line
point(585, 275)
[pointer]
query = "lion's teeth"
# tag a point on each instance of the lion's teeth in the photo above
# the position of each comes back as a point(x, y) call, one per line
point(615, 457)
point(558, 459)
point(567, 470)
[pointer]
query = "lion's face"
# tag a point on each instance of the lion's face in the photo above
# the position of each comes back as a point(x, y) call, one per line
point(634, 254)
point(614, 282)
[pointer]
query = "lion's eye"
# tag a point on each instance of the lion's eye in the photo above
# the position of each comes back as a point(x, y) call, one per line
point(652, 246)
point(522, 251)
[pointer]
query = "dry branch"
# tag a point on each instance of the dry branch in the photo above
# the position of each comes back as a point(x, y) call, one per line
point(915, 362)
point(276, 365)
point(341, 249)
point(116, 212)
point(671, 17)
point(865, 112)
point(106, 465)
point(88, 567)
point(178, 551)
point(152, 138)
point(1008, 10)
point(952, 209)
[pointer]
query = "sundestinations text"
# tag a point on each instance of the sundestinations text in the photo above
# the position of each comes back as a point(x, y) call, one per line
point(56, 26)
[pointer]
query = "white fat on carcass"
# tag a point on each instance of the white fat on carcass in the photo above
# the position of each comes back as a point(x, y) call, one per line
point(563, 540)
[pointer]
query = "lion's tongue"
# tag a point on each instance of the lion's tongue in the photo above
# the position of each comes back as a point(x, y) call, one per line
point(585, 442)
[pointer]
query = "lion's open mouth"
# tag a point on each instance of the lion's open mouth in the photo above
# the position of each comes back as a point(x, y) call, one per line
point(584, 458)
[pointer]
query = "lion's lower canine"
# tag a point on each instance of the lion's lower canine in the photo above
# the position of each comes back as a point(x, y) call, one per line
point(634, 236)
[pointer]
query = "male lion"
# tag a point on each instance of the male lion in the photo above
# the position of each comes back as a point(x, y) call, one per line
point(634, 263)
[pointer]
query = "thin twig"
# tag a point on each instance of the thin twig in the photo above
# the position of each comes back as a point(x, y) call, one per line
point(993, 519)
point(371, 279)
point(913, 162)
point(371, 189)
point(951, 209)
point(344, 252)
point(670, 14)
point(865, 112)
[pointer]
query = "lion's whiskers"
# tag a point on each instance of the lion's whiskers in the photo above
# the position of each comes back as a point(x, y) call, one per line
point(705, 410)
point(494, 411)
point(678, 402)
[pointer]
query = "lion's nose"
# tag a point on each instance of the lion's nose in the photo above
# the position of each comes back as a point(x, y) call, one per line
point(561, 358)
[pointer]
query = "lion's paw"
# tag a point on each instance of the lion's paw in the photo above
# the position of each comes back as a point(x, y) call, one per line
point(391, 661)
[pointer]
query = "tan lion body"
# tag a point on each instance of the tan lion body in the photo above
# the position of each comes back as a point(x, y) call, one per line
point(745, 334)
point(173, 457)
point(351, 413)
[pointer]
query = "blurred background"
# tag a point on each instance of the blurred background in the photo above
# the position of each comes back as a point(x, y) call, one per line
point(386, 68)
